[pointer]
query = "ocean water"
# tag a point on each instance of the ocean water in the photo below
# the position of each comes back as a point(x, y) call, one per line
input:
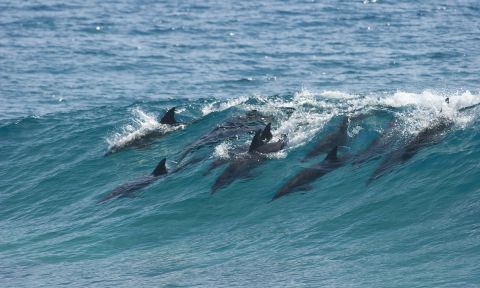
point(80, 77)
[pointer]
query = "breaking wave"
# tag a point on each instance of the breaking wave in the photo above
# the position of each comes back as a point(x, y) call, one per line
point(50, 202)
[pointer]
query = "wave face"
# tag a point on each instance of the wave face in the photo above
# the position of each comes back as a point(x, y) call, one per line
point(82, 79)
point(417, 221)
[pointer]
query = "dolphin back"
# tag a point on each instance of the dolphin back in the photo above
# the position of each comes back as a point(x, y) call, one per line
point(267, 133)
point(169, 117)
point(161, 168)
point(256, 141)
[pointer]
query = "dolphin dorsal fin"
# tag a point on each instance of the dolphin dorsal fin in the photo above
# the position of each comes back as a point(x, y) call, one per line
point(256, 141)
point(267, 133)
point(169, 117)
point(332, 155)
point(160, 169)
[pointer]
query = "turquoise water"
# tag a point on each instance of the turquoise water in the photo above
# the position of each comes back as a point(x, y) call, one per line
point(78, 78)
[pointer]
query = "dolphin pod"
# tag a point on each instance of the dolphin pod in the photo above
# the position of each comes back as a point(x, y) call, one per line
point(428, 136)
point(244, 160)
point(231, 128)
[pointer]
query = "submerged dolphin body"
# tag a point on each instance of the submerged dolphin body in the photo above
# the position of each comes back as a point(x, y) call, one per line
point(256, 155)
point(377, 147)
point(430, 135)
point(308, 175)
point(127, 189)
point(338, 137)
point(145, 140)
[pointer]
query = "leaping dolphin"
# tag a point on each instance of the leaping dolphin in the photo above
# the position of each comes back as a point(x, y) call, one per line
point(127, 189)
point(146, 139)
point(308, 175)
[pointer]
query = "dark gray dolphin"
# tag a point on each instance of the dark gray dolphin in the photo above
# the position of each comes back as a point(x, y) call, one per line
point(468, 107)
point(267, 133)
point(127, 189)
point(338, 137)
point(264, 138)
point(243, 164)
point(261, 143)
point(147, 139)
point(381, 143)
point(308, 175)
point(169, 117)
point(430, 135)
point(229, 129)
point(377, 146)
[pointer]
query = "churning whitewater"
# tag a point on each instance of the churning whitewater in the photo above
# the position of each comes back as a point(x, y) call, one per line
point(361, 127)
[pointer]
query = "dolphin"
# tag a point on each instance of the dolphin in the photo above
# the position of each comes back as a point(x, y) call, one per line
point(145, 140)
point(267, 133)
point(127, 189)
point(338, 137)
point(430, 135)
point(169, 117)
point(377, 146)
point(265, 137)
point(468, 107)
point(256, 155)
point(229, 129)
point(308, 175)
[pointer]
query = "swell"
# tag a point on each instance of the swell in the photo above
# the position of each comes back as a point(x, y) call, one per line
point(54, 172)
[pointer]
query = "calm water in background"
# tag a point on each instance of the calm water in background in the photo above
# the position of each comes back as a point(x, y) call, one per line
point(76, 77)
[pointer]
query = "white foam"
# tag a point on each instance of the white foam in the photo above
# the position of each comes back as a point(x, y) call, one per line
point(143, 123)
point(277, 155)
point(222, 150)
point(415, 110)
point(337, 94)
point(218, 106)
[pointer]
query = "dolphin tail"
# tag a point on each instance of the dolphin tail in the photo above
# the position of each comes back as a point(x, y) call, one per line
point(160, 169)
point(169, 117)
